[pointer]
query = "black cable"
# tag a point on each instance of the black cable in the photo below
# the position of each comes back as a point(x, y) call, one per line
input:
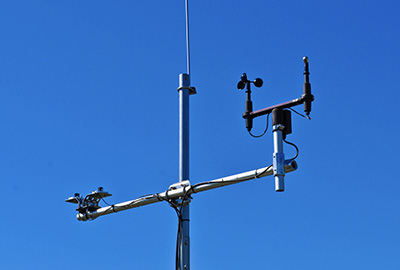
point(178, 210)
point(105, 202)
point(258, 175)
point(179, 238)
point(180, 228)
point(178, 244)
point(111, 206)
point(169, 201)
point(295, 146)
point(302, 115)
point(266, 128)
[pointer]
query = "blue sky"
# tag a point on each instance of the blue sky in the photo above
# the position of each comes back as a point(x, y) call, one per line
point(88, 98)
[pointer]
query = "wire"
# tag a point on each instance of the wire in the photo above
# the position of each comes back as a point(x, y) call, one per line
point(178, 210)
point(266, 128)
point(179, 236)
point(302, 115)
point(178, 244)
point(258, 175)
point(180, 228)
point(169, 201)
point(295, 146)
point(105, 202)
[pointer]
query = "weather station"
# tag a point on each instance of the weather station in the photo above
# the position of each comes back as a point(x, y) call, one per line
point(179, 194)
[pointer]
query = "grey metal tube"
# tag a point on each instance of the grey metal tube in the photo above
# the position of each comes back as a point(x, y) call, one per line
point(184, 85)
point(278, 158)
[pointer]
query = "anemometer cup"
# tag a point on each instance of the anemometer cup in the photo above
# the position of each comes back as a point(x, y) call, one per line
point(258, 82)
point(241, 85)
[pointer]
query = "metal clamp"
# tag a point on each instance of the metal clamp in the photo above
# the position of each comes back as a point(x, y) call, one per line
point(192, 89)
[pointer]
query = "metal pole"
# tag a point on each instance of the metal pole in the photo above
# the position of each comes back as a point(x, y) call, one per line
point(279, 156)
point(184, 89)
point(184, 92)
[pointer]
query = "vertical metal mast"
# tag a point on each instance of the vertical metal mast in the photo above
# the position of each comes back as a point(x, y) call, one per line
point(184, 91)
point(184, 85)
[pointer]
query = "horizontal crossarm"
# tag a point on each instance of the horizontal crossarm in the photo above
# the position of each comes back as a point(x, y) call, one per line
point(185, 190)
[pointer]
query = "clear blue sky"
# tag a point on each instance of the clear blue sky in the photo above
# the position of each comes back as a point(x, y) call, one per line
point(88, 98)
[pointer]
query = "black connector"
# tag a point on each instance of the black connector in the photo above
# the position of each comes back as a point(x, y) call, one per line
point(284, 118)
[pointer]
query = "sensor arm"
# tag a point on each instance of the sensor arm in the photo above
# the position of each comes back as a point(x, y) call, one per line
point(306, 99)
point(284, 105)
point(172, 194)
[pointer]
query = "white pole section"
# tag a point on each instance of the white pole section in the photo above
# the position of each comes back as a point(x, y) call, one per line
point(279, 158)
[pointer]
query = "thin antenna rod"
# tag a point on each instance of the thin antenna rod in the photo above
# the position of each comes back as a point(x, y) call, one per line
point(187, 36)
